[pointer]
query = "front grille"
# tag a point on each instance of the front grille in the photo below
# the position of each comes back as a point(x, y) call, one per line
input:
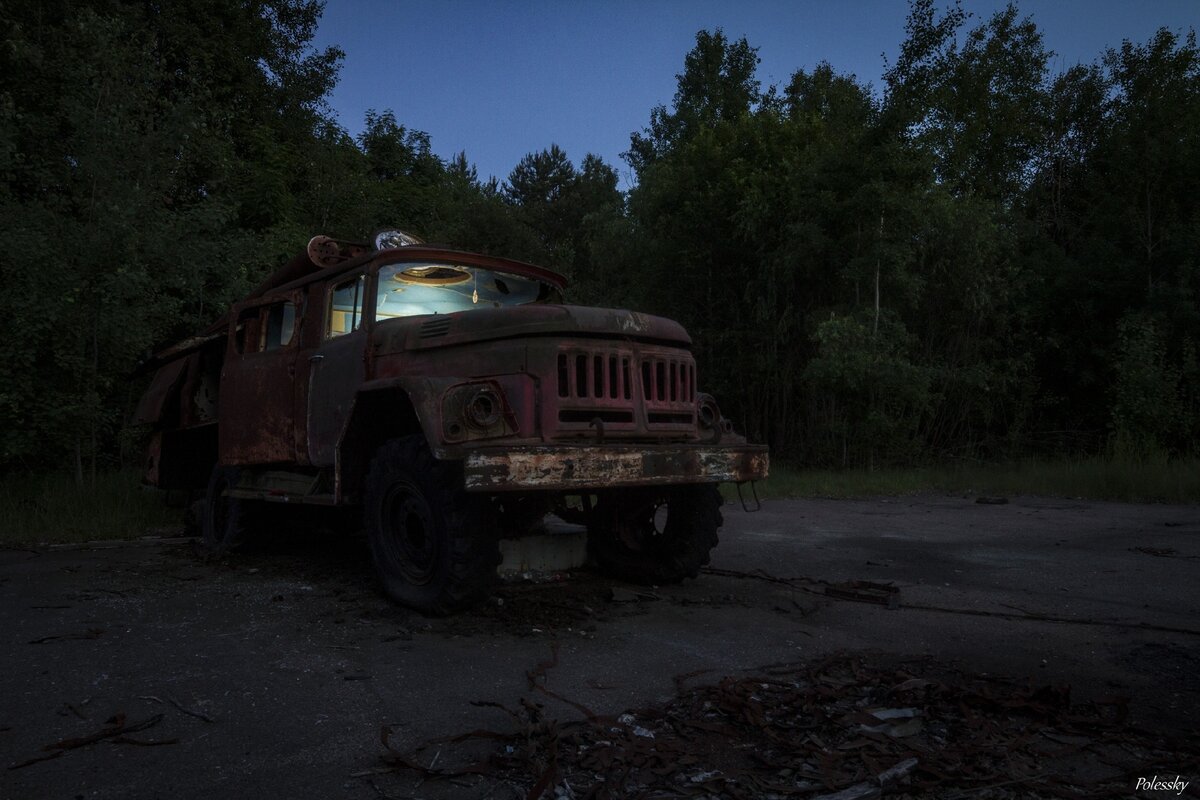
point(595, 375)
point(642, 388)
point(589, 416)
point(669, 390)
point(668, 381)
point(659, 418)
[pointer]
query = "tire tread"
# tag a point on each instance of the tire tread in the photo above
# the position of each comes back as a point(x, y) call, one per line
point(473, 550)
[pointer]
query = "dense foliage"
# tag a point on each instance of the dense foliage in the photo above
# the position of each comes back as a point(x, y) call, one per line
point(980, 259)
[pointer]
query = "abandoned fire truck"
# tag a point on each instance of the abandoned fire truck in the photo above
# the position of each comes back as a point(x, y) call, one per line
point(457, 401)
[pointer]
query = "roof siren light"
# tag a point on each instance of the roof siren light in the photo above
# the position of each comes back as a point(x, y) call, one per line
point(393, 238)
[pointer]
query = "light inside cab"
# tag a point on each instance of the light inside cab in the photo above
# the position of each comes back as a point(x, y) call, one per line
point(432, 275)
point(410, 288)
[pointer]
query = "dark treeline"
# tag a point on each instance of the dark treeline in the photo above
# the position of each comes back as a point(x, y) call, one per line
point(977, 259)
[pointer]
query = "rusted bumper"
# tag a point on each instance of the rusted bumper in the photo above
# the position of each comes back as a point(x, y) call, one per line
point(601, 467)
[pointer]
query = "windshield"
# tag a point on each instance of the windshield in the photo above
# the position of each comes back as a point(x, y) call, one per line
point(408, 289)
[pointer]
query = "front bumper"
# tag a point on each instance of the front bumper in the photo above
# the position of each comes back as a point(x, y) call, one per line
point(565, 468)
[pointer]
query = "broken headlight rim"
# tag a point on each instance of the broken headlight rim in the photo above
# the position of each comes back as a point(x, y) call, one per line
point(483, 408)
point(708, 414)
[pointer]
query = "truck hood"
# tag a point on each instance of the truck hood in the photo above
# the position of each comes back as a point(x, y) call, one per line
point(486, 324)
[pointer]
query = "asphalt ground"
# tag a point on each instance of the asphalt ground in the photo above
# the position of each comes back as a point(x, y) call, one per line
point(144, 670)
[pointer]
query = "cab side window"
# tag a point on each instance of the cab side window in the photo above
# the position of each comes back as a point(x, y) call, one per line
point(346, 307)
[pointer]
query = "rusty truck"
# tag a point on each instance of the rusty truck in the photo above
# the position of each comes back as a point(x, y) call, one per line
point(454, 398)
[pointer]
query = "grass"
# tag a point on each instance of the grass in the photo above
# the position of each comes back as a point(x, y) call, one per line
point(52, 508)
point(1089, 478)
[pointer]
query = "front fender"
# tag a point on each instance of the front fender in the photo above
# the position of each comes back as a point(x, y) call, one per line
point(383, 410)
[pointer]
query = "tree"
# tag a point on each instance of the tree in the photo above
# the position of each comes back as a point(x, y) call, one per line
point(976, 109)
point(1115, 192)
point(717, 84)
point(569, 211)
point(540, 185)
point(144, 150)
point(1145, 394)
point(871, 396)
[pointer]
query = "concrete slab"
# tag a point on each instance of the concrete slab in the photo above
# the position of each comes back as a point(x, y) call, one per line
point(298, 660)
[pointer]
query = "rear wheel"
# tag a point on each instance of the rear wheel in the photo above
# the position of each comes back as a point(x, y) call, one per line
point(655, 536)
point(434, 546)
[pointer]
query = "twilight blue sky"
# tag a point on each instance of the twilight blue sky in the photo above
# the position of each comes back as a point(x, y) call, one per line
point(501, 79)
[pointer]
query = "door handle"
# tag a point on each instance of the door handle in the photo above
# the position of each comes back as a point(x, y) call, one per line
point(316, 359)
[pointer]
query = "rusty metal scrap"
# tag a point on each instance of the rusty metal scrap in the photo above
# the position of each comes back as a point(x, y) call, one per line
point(797, 731)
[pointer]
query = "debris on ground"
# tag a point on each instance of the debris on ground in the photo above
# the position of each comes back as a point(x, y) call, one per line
point(575, 605)
point(620, 594)
point(190, 712)
point(883, 594)
point(117, 732)
point(847, 727)
point(90, 633)
point(1161, 552)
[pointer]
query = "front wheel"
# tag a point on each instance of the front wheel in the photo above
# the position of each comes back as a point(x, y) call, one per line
point(434, 546)
point(655, 536)
point(225, 521)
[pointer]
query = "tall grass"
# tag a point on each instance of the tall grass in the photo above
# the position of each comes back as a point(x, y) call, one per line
point(52, 508)
point(1097, 478)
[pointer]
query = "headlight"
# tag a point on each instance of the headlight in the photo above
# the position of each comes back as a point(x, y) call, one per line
point(708, 414)
point(707, 411)
point(483, 408)
point(476, 410)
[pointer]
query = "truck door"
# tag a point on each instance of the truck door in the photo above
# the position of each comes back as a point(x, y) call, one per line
point(336, 368)
point(256, 410)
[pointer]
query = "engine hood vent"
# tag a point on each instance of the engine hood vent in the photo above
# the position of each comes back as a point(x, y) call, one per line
point(434, 328)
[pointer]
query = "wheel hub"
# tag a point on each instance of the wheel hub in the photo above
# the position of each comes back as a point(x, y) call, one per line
point(411, 543)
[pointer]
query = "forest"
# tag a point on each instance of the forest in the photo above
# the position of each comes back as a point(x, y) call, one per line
point(979, 259)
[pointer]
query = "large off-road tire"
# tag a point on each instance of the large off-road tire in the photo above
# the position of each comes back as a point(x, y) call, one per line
point(434, 545)
point(225, 521)
point(655, 536)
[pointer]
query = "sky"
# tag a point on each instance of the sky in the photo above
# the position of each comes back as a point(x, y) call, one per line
point(501, 79)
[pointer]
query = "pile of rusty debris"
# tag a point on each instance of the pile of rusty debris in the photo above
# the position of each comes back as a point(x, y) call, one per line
point(846, 728)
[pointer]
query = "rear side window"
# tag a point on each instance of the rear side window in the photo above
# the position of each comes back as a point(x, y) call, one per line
point(247, 330)
point(264, 328)
point(281, 325)
point(346, 306)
